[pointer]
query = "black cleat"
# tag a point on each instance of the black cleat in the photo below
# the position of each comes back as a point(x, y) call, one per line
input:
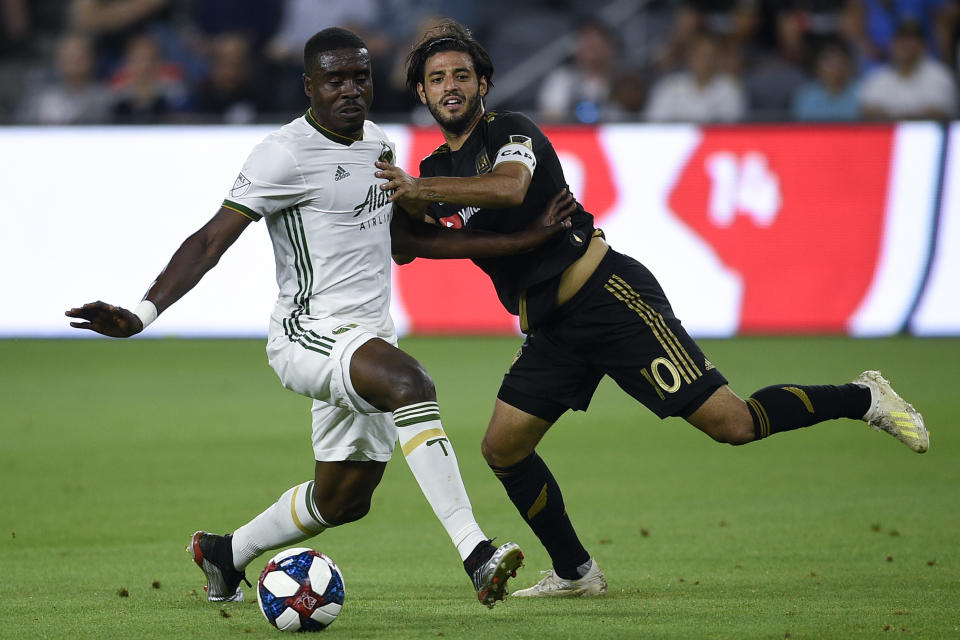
point(214, 555)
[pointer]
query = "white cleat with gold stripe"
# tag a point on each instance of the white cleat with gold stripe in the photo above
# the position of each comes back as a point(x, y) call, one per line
point(891, 413)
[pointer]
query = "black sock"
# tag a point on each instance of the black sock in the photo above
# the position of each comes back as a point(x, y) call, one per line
point(537, 497)
point(784, 407)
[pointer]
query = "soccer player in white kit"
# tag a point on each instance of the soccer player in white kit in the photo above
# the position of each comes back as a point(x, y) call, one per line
point(331, 336)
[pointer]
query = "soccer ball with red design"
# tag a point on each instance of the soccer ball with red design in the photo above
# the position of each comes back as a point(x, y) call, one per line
point(300, 590)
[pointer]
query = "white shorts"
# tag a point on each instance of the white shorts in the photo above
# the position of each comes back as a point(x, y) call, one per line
point(316, 363)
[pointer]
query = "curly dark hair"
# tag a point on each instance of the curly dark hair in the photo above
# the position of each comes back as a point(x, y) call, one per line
point(449, 35)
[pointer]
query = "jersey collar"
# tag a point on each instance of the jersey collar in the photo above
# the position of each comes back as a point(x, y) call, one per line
point(336, 137)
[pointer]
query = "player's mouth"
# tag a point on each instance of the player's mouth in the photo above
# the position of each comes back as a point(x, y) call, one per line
point(351, 110)
point(451, 103)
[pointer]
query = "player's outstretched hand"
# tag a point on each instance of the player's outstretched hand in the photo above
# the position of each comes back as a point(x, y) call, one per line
point(106, 319)
point(557, 212)
point(403, 186)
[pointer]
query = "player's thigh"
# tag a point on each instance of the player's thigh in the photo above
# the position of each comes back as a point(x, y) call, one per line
point(314, 360)
point(389, 378)
point(342, 434)
point(548, 377)
point(629, 331)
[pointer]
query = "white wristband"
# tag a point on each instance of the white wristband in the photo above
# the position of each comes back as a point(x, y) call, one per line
point(146, 311)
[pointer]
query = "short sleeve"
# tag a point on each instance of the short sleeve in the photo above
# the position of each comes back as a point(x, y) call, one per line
point(269, 181)
point(515, 138)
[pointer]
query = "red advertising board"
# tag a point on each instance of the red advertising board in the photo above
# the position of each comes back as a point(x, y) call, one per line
point(792, 218)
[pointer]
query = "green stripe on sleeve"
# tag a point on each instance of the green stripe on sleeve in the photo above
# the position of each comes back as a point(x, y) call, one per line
point(241, 209)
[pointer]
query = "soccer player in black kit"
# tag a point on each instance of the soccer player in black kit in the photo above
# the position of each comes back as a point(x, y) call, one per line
point(587, 310)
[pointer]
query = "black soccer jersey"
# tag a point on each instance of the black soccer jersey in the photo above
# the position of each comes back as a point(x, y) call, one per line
point(526, 283)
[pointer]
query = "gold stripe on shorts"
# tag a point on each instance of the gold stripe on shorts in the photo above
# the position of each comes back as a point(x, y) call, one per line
point(672, 346)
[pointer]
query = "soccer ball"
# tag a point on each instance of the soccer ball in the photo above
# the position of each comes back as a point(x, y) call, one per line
point(300, 590)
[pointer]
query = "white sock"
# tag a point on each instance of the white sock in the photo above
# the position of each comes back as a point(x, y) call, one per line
point(431, 458)
point(292, 518)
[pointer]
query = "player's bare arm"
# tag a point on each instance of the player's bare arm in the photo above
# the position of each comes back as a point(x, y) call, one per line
point(198, 254)
point(505, 186)
point(419, 239)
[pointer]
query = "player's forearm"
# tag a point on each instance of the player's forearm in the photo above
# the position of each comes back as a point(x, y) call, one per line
point(487, 191)
point(186, 268)
point(440, 243)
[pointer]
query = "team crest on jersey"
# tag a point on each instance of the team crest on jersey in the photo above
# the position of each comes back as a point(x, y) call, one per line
point(240, 186)
point(483, 162)
point(386, 153)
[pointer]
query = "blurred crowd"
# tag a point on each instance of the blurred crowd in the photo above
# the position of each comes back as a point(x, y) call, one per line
point(187, 61)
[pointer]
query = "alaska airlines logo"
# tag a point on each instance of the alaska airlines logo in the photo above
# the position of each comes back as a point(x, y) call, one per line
point(376, 198)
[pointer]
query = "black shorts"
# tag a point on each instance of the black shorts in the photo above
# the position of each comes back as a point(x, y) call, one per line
point(619, 324)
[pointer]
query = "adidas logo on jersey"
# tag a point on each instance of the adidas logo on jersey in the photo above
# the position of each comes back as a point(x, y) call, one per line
point(341, 174)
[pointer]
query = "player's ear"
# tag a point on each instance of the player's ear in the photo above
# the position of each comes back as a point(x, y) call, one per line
point(423, 96)
point(483, 86)
point(307, 86)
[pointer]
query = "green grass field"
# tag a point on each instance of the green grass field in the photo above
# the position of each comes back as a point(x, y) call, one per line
point(114, 452)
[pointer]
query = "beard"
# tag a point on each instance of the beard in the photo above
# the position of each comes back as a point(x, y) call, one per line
point(457, 124)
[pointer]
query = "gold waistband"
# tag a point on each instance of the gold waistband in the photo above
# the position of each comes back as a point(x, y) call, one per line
point(574, 276)
point(580, 271)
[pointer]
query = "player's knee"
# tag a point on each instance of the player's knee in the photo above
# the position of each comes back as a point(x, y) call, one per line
point(502, 453)
point(735, 431)
point(412, 384)
point(491, 453)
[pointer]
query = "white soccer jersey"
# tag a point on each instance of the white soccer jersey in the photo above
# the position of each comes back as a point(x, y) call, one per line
point(328, 219)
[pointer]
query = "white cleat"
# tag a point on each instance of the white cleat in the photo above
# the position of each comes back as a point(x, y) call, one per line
point(553, 586)
point(891, 413)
